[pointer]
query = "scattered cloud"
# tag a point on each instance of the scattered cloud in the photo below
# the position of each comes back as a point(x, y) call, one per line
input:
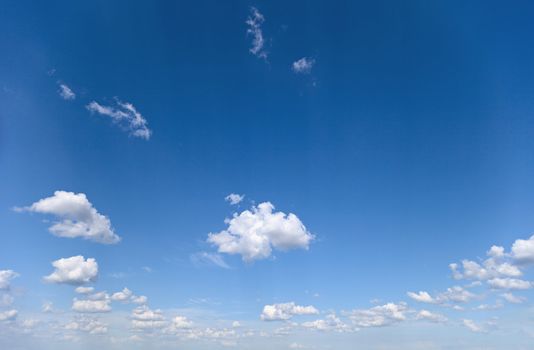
point(254, 23)
point(422, 297)
point(87, 324)
point(77, 217)
point(5, 278)
point(511, 298)
point(523, 250)
point(66, 92)
point(379, 316)
point(234, 198)
point(84, 290)
point(472, 326)
point(254, 233)
point(125, 115)
point(75, 270)
point(285, 311)
point(509, 283)
point(144, 318)
point(8, 315)
point(330, 323)
point(456, 294)
point(91, 306)
point(431, 316)
point(303, 65)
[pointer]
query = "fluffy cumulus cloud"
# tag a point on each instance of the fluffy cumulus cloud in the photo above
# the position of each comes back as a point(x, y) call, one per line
point(5, 278)
point(285, 311)
point(422, 297)
point(144, 318)
point(379, 316)
point(8, 315)
point(456, 294)
point(86, 324)
point(511, 298)
point(75, 270)
point(494, 267)
point(254, 23)
point(234, 198)
point(91, 306)
point(509, 283)
point(77, 217)
point(431, 316)
point(303, 65)
point(254, 233)
point(125, 115)
point(330, 323)
point(66, 92)
point(523, 250)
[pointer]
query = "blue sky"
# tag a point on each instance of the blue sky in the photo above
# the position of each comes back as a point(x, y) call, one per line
point(390, 139)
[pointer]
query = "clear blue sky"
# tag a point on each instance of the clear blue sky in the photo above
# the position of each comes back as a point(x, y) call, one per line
point(403, 145)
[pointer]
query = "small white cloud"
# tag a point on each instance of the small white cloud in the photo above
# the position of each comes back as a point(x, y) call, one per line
point(91, 306)
point(47, 307)
point(84, 290)
point(254, 233)
point(66, 93)
point(8, 315)
point(145, 318)
point(254, 23)
point(509, 283)
point(125, 115)
point(285, 311)
point(379, 316)
point(431, 316)
point(234, 198)
point(523, 250)
point(236, 324)
point(511, 298)
point(330, 323)
point(75, 270)
point(303, 65)
point(140, 300)
point(86, 324)
point(123, 295)
point(422, 297)
point(5, 278)
point(472, 326)
point(78, 217)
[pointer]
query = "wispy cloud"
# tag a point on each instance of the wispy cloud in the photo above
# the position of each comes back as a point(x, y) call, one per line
point(303, 65)
point(254, 22)
point(66, 92)
point(205, 258)
point(234, 198)
point(125, 115)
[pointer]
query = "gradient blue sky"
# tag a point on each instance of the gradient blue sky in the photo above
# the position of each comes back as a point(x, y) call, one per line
point(407, 146)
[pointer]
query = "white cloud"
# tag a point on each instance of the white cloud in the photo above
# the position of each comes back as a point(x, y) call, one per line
point(78, 217)
point(205, 258)
point(253, 234)
point(523, 250)
point(74, 270)
point(66, 93)
point(378, 316)
point(254, 22)
point(123, 295)
point(431, 316)
point(47, 307)
point(303, 65)
point(145, 318)
point(84, 290)
point(285, 311)
point(509, 283)
point(422, 297)
point(86, 324)
point(8, 315)
point(511, 298)
point(5, 278)
point(330, 323)
point(91, 306)
point(125, 115)
point(140, 300)
point(472, 326)
point(234, 198)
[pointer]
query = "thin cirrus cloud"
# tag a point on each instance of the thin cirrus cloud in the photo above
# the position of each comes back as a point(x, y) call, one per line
point(75, 270)
point(254, 233)
point(285, 311)
point(125, 115)
point(254, 23)
point(303, 65)
point(205, 258)
point(77, 217)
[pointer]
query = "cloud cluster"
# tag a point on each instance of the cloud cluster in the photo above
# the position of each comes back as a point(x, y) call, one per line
point(379, 316)
point(77, 217)
point(254, 23)
point(330, 323)
point(75, 270)
point(253, 234)
point(125, 115)
point(285, 311)
point(456, 294)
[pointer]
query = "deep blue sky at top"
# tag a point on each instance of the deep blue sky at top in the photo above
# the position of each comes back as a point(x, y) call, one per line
point(409, 146)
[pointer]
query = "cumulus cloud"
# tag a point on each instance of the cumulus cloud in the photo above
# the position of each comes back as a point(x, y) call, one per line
point(123, 295)
point(330, 323)
point(493, 267)
point(285, 311)
point(422, 297)
point(8, 315)
point(254, 23)
point(234, 198)
point(144, 318)
point(523, 250)
point(84, 290)
point(66, 92)
point(5, 278)
point(303, 65)
point(91, 306)
point(379, 316)
point(511, 298)
point(472, 326)
point(454, 294)
point(86, 324)
point(75, 270)
point(254, 233)
point(509, 283)
point(431, 316)
point(125, 115)
point(77, 217)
